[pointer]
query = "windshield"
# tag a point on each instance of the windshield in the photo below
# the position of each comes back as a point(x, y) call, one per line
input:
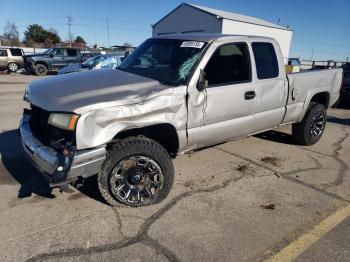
point(48, 51)
point(92, 62)
point(110, 62)
point(166, 60)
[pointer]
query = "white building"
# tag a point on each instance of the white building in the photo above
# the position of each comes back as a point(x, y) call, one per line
point(187, 18)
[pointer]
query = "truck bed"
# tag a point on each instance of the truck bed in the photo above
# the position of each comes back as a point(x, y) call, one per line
point(304, 85)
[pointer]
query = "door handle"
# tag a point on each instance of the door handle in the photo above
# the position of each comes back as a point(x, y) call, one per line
point(249, 95)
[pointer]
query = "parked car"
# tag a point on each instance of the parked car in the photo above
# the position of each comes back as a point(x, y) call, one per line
point(52, 60)
point(11, 59)
point(97, 62)
point(173, 94)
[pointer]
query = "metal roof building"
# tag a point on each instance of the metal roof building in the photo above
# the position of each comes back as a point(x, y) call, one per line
point(188, 18)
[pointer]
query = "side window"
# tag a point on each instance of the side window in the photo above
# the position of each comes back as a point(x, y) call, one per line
point(59, 52)
point(16, 52)
point(72, 52)
point(229, 64)
point(265, 60)
point(3, 52)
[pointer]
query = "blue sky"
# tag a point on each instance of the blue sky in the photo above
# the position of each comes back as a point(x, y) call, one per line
point(321, 27)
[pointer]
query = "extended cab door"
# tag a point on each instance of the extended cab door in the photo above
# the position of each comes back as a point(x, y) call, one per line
point(224, 110)
point(270, 86)
point(73, 56)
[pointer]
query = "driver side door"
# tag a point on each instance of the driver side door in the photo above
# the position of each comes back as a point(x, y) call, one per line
point(225, 109)
point(58, 59)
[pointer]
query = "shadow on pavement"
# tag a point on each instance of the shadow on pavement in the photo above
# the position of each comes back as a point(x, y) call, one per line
point(344, 103)
point(90, 189)
point(339, 121)
point(277, 136)
point(19, 167)
point(15, 162)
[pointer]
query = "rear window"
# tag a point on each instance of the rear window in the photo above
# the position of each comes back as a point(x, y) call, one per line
point(3, 53)
point(16, 52)
point(265, 60)
point(72, 52)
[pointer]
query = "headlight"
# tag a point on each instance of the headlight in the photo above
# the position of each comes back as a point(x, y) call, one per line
point(64, 121)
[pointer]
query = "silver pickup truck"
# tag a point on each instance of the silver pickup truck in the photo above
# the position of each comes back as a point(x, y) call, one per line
point(173, 94)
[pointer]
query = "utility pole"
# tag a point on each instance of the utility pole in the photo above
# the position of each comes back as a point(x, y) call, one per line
point(69, 23)
point(109, 45)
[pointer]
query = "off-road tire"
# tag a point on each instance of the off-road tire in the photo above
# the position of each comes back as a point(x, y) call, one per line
point(12, 67)
point(134, 146)
point(302, 131)
point(41, 70)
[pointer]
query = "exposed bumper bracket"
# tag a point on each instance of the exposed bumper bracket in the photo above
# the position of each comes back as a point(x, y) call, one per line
point(59, 169)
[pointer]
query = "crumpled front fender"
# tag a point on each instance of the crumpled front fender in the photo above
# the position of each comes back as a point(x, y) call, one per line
point(100, 126)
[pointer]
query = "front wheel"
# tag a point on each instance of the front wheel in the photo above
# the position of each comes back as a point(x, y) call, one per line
point(41, 70)
point(311, 128)
point(137, 172)
point(12, 67)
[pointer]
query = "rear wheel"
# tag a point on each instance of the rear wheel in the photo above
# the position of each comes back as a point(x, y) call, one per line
point(12, 67)
point(311, 128)
point(137, 172)
point(41, 70)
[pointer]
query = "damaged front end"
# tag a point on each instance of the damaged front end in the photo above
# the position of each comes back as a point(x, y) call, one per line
point(53, 150)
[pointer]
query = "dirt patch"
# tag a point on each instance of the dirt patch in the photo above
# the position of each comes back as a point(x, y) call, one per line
point(242, 168)
point(272, 160)
point(268, 206)
point(277, 175)
point(76, 196)
point(189, 184)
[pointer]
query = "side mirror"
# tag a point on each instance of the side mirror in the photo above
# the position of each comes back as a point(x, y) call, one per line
point(52, 55)
point(202, 83)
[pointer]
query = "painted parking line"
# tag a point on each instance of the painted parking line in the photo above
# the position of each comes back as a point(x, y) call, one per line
point(294, 249)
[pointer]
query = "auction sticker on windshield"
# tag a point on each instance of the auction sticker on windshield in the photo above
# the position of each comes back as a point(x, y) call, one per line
point(193, 44)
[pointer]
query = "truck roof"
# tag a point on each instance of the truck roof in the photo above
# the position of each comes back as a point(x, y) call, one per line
point(205, 37)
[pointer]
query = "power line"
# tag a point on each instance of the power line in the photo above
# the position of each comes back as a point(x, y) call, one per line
point(69, 23)
point(319, 52)
point(109, 45)
point(316, 43)
point(321, 36)
point(113, 28)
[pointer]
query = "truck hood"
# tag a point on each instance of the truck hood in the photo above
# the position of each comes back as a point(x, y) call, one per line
point(35, 56)
point(89, 90)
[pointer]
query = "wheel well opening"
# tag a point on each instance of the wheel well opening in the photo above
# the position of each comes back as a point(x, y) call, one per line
point(164, 134)
point(41, 63)
point(321, 98)
point(12, 62)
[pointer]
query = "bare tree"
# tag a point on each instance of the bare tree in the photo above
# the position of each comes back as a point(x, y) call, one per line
point(11, 34)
